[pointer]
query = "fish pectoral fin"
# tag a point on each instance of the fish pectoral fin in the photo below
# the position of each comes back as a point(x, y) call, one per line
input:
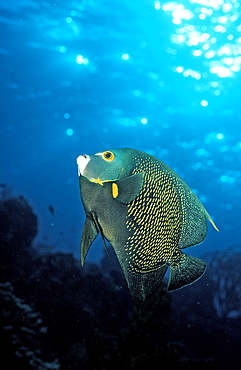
point(89, 234)
point(185, 271)
point(144, 284)
point(128, 189)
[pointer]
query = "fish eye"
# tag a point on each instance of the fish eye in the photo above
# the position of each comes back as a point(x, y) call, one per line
point(108, 156)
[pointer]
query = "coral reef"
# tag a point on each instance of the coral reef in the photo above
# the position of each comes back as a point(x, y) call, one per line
point(208, 312)
point(226, 281)
point(18, 227)
point(57, 315)
point(23, 327)
point(84, 317)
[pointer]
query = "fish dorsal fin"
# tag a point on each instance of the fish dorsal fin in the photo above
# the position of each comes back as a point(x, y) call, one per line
point(211, 221)
point(194, 228)
point(126, 190)
point(193, 214)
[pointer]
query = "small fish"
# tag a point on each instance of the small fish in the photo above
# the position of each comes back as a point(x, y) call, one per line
point(147, 213)
point(51, 210)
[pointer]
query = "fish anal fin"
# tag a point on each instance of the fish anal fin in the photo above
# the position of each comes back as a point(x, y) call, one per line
point(143, 285)
point(89, 234)
point(129, 188)
point(185, 271)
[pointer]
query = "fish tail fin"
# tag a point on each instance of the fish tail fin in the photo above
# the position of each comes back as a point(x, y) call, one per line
point(185, 271)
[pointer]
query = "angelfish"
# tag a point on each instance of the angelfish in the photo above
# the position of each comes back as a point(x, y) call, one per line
point(147, 213)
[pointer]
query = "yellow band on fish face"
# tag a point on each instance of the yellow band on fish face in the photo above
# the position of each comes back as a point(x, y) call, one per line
point(98, 181)
point(115, 190)
point(101, 182)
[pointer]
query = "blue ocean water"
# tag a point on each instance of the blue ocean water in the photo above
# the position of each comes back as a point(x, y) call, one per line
point(85, 76)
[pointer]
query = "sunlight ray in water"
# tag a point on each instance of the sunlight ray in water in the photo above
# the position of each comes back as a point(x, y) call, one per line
point(211, 29)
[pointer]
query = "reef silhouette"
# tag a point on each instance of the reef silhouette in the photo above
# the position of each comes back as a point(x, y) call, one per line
point(57, 315)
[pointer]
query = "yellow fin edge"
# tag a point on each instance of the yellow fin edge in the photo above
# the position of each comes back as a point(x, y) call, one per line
point(212, 222)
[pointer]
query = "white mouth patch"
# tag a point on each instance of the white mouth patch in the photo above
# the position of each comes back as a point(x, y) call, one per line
point(82, 162)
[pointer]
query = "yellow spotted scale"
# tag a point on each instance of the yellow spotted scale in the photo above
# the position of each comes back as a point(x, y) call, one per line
point(147, 213)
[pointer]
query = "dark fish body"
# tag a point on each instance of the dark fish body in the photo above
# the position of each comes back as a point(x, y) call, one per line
point(51, 210)
point(147, 213)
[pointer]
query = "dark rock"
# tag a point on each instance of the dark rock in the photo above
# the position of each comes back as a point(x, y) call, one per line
point(18, 228)
point(57, 314)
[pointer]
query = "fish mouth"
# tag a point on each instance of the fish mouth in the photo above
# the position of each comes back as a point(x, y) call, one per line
point(82, 162)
